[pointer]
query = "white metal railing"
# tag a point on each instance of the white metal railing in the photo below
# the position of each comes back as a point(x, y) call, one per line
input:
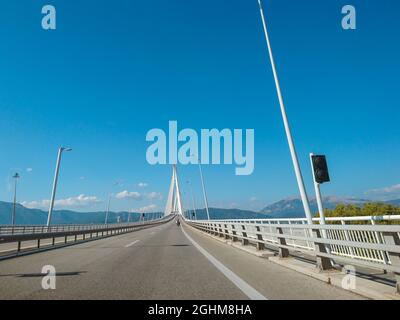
point(34, 229)
point(70, 233)
point(360, 240)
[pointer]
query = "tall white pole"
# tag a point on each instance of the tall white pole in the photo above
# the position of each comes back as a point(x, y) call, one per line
point(318, 197)
point(53, 193)
point(193, 202)
point(16, 176)
point(296, 166)
point(108, 209)
point(204, 191)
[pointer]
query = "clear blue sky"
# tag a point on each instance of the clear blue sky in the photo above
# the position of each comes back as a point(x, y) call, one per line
point(115, 69)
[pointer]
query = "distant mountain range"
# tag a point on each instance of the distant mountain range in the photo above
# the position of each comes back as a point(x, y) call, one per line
point(287, 208)
point(394, 202)
point(293, 207)
point(39, 217)
point(218, 213)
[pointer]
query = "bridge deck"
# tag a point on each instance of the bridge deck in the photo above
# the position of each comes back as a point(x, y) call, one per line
point(155, 263)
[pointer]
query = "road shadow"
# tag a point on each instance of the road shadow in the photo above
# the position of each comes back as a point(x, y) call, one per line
point(40, 274)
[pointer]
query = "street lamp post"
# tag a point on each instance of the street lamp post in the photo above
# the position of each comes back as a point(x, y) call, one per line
point(16, 177)
point(204, 191)
point(192, 196)
point(53, 193)
point(108, 209)
point(203, 187)
point(295, 161)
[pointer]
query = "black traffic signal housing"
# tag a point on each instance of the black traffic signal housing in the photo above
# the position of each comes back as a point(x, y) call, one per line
point(321, 173)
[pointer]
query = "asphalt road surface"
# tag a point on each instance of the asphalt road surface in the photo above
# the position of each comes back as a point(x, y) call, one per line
point(162, 262)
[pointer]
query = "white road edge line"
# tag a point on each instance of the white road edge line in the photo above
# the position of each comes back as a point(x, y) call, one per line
point(248, 290)
point(131, 244)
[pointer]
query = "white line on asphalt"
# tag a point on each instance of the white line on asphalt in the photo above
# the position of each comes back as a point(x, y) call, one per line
point(248, 290)
point(131, 244)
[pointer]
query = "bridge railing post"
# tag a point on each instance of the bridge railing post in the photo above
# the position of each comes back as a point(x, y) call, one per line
point(392, 238)
point(213, 229)
point(234, 237)
point(283, 252)
point(260, 242)
point(245, 241)
point(208, 227)
point(323, 263)
point(220, 231)
point(226, 233)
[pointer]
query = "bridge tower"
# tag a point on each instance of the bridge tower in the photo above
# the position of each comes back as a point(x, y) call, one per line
point(174, 201)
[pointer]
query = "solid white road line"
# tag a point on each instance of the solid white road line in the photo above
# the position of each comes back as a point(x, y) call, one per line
point(248, 290)
point(131, 244)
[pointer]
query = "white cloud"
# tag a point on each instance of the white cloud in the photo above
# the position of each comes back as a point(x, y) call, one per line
point(29, 169)
point(143, 184)
point(154, 196)
point(72, 202)
point(149, 208)
point(129, 195)
point(138, 196)
point(252, 199)
point(385, 193)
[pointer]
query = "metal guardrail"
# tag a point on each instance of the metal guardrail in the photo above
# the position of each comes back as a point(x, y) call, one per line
point(19, 234)
point(370, 245)
point(348, 235)
point(34, 229)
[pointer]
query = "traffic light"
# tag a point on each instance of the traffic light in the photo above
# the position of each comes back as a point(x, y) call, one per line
point(320, 166)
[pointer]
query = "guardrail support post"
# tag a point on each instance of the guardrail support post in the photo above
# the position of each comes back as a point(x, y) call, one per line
point(53, 241)
point(220, 233)
point(234, 238)
point(66, 239)
point(283, 252)
point(245, 242)
point(76, 237)
point(19, 246)
point(392, 238)
point(226, 233)
point(215, 230)
point(260, 245)
point(323, 263)
point(38, 243)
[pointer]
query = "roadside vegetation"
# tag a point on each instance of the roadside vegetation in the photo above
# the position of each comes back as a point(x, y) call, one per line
point(368, 209)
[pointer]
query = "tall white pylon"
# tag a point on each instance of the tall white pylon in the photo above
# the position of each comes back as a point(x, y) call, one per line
point(174, 201)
